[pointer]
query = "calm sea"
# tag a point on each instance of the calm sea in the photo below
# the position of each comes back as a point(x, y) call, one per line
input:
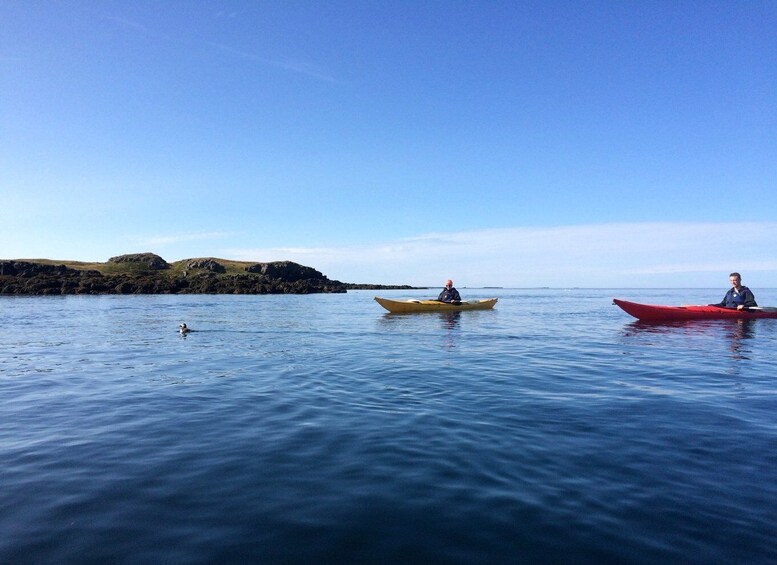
point(319, 429)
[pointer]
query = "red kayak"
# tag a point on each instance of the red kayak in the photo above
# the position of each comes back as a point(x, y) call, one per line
point(653, 313)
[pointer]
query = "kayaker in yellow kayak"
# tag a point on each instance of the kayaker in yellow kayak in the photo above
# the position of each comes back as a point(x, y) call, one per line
point(449, 294)
point(738, 296)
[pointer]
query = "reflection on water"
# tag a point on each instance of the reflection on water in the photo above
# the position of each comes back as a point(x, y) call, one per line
point(642, 327)
point(450, 323)
point(450, 320)
point(425, 321)
point(736, 332)
point(739, 331)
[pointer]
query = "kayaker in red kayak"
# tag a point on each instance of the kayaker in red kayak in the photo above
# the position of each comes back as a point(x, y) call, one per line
point(738, 296)
point(449, 294)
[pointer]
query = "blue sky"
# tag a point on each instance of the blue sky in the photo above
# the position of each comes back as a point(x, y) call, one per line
point(496, 143)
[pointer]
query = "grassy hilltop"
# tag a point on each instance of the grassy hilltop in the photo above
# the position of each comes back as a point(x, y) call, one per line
point(176, 268)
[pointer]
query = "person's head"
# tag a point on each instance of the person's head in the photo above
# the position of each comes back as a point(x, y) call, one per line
point(735, 279)
point(449, 283)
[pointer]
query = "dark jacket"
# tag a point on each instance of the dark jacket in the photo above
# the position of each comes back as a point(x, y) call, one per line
point(449, 295)
point(734, 298)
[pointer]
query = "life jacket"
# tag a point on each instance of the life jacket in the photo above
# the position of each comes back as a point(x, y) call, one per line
point(736, 297)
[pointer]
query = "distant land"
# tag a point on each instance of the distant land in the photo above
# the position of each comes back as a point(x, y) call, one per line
point(148, 273)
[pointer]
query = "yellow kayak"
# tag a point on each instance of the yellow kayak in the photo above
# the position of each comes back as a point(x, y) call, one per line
point(404, 306)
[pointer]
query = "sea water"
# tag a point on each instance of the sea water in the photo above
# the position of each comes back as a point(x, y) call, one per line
point(310, 429)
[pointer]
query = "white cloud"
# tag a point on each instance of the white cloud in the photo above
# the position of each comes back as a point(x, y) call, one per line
point(597, 255)
point(161, 240)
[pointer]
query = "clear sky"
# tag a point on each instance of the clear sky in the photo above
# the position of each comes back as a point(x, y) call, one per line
point(586, 143)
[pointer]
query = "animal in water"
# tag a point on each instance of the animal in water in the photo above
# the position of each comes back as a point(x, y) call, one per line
point(182, 329)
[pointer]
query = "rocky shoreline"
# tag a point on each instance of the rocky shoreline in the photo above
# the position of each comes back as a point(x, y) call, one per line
point(147, 273)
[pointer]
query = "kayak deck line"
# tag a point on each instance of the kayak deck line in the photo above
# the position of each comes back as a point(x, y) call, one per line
point(408, 306)
point(654, 312)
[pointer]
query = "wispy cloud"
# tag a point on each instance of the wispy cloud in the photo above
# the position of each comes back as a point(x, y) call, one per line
point(301, 67)
point(127, 23)
point(639, 254)
point(6, 58)
point(306, 68)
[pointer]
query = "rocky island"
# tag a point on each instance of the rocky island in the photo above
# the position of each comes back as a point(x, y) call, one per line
point(148, 273)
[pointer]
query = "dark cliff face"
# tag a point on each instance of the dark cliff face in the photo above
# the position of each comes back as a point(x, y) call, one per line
point(286, 270)
point(200, 276)
point(210, 265)
point(27, 270)
point(149, 260)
